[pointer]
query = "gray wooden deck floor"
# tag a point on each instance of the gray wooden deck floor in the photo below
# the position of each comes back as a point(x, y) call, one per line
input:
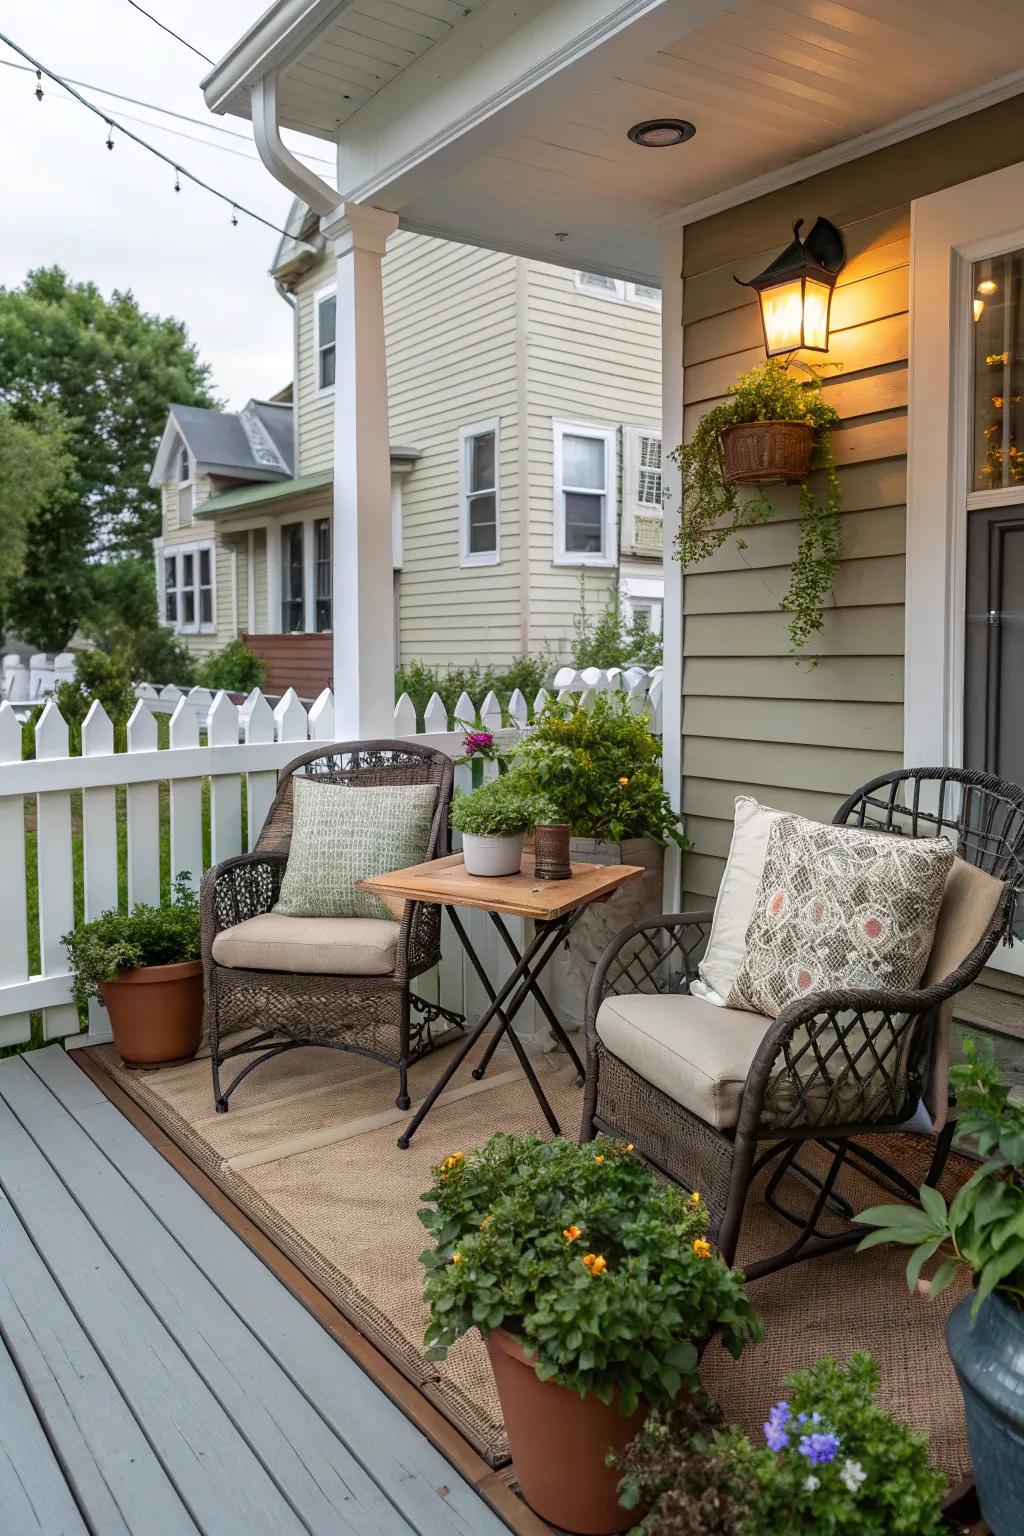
point(155, 1378)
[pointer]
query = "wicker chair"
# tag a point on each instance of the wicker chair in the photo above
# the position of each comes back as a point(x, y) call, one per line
point(368, 1014)
point(833, 1066)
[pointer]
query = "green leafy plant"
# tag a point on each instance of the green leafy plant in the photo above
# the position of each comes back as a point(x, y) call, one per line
point(714, 511)
point(234, 668)
point(983, 1227)
point(97, 676)
point(122, 941)
point(602, 1273)
point(527, 673)
point(600, 768)
point(499, 807)
point(610, 640)
point(833, 1464)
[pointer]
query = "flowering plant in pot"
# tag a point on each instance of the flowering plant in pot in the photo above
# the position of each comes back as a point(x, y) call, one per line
point(713, 509)
point(833, 1463)
point(982, 1229)
point(494, 820)
point(145, 966)
point(593, 1285)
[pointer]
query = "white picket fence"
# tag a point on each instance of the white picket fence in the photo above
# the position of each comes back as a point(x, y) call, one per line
point(239, 749)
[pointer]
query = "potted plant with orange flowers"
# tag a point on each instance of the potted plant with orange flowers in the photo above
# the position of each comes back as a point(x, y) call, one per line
point(593, 1285)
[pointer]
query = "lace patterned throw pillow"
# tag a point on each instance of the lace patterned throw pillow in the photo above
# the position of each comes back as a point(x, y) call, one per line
point(839, 907)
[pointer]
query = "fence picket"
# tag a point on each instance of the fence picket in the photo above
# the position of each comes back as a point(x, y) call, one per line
point(405, 716)
point(99, 843)
point(588, 698)
point(541, 702)
point(56, 871)
point(464, 712)
point(260, 787)
point(143, 816)
point(186, 799)
point(435, 716)
point(321, 717)
point(200, 702)
point(290, 718)
point(16, 1027)
point(491, 712)
point(518, 708)
point(637, 696)
point(225, 788)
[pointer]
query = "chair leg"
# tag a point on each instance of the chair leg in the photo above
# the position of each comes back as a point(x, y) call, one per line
point(739, 1183)
point(403, 1101)
point(220, 1103)
point(940, 1157)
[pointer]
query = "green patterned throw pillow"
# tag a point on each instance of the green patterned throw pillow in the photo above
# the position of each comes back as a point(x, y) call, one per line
point(341, 834)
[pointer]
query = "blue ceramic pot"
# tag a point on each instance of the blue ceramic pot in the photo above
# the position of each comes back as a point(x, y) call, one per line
point(989, 1360)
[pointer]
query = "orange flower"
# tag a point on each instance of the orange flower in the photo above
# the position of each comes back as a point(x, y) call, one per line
point(571, 1233)
point(629, 1146)
point(623, 781)
point(695, 1198)
point(456, 1258)
point(594, 1263)
point(702, 1248)
point(451, 1162)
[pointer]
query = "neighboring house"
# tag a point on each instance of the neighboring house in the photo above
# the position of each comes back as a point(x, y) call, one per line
point(530, 400)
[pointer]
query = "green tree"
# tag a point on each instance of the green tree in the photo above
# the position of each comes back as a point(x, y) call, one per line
point(120, 614)
point(33, 467)
point(608, 640)
point(109, 371)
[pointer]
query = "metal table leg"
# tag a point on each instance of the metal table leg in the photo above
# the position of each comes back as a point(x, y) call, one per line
point(532, 984)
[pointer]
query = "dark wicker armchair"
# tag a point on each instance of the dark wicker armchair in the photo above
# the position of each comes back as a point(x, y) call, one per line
point(831, 1067)
point(368, 1013)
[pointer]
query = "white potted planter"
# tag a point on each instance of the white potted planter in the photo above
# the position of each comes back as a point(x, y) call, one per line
point(496, 854)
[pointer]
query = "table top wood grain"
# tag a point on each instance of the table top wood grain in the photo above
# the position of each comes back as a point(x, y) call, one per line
point(445, 882)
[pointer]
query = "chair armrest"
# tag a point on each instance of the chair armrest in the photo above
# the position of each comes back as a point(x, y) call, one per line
point(657, 954)
point(235, 890)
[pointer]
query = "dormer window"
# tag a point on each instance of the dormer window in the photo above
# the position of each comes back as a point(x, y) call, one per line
point(186, 487)
point(325, 326)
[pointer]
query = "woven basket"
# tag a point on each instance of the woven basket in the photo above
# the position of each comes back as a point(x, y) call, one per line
point(767, 452)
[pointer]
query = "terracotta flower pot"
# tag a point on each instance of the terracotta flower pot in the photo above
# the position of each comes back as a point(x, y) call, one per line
point(767, 452)
point(156, 1012)
point(559, 1442)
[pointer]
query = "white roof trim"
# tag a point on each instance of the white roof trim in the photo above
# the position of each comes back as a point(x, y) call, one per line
point(988, 95)
point(275, 39)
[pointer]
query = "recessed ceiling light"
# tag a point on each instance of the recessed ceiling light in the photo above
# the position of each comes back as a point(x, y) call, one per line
point(661, 132)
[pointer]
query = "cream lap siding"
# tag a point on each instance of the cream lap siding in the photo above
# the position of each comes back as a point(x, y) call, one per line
point(314, 412)
point(755, 721)
point(450, 313)
point(595, 361)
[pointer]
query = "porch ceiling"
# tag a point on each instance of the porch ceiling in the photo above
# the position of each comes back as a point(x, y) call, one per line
point(766, 82)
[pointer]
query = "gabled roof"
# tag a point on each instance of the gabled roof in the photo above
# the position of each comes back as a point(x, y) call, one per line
point(255, 443)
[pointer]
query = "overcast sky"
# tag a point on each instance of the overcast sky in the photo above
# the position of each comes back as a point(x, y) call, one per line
point(113, 216)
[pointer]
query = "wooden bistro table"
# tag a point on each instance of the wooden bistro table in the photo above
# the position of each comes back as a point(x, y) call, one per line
point(554, 906)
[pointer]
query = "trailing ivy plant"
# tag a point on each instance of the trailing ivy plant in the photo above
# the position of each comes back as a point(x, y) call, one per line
point(714, 511)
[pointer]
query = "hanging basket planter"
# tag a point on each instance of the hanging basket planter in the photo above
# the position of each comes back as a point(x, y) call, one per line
point(767, 452)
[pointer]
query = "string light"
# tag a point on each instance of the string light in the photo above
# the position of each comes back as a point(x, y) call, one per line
point(112, 123)
point(234, 215)
point(39, 85)
point(177, 179)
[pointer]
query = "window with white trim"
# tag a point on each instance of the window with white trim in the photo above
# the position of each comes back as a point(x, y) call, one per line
point(189, 602)
point(186, 488)
point(641, 489)
point(325, 324)
point(598, 286)
point(479, 518)
point(584, 473)
point(322, 573)
point(292, 579)
point(170, 589)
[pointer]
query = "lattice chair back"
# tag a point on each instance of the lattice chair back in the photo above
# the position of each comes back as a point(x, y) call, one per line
point(362, 764)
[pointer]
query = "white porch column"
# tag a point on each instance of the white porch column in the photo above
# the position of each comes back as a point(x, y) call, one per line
point(672, 614)
point(362, 597)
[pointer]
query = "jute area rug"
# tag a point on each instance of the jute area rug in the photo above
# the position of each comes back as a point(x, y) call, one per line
point(308, 1150)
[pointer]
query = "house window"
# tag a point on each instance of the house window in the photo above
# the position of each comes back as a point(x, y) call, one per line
point(170, 589)
point(646, 295)
point(641, 490)
point(584, 473)
point(326, 318)
point(204, 556)
point(291, 579)
point(186, 488)
point(478, 494)
point(322, 573)
point(187, 579)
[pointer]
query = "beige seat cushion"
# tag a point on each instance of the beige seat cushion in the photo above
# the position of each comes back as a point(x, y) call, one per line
point(310, 946)
point(696, 1052)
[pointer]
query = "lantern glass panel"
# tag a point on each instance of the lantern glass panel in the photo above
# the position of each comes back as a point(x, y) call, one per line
point(817, 297)
point(782, 314)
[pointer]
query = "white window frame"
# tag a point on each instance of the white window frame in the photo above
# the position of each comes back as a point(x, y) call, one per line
point(178, 553)
point(466, 436)
point(632, 506)
point(609, 437)
point(644, 592)
point(328, 291)
point(188, 483)
point(624, 292)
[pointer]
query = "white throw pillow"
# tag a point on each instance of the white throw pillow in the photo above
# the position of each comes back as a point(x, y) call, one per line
point(727, 944)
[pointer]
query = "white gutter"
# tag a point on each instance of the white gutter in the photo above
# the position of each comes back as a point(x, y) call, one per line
point(272, 41)
point(278, 158)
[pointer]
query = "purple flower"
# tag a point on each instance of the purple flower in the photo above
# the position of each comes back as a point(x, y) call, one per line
point(478, 741)
point(819, 1448)
point(775, 1427)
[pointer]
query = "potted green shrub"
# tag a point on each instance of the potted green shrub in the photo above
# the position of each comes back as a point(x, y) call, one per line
point(832, 1463)
point(767, 431)
point(494, 820)
point(145, 966)
point(593, 1285)
point(982, 1229)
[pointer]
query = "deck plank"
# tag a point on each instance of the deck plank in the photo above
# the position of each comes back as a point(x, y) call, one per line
point(34, 1498)
point(436, 1499)
point(221, 1481)
point(327, 1488)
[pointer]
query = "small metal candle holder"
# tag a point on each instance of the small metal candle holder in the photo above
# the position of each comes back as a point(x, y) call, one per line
point(551, 852)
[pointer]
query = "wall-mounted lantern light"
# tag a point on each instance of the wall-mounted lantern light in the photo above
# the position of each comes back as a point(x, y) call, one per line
point(795, 290)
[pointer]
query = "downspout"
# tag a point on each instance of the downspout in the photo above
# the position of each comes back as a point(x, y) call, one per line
point(278, 158)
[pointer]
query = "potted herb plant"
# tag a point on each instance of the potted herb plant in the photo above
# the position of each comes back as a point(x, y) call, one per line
point(145, 966)
point(593, 1285)
point(767, 431)
point(983, 1230)
point(832, 1464)
point(494, 820)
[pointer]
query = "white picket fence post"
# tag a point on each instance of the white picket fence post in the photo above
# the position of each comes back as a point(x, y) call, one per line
point(99, 840)
point(55, 870)
point(143, 816)
point(16, 1026)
